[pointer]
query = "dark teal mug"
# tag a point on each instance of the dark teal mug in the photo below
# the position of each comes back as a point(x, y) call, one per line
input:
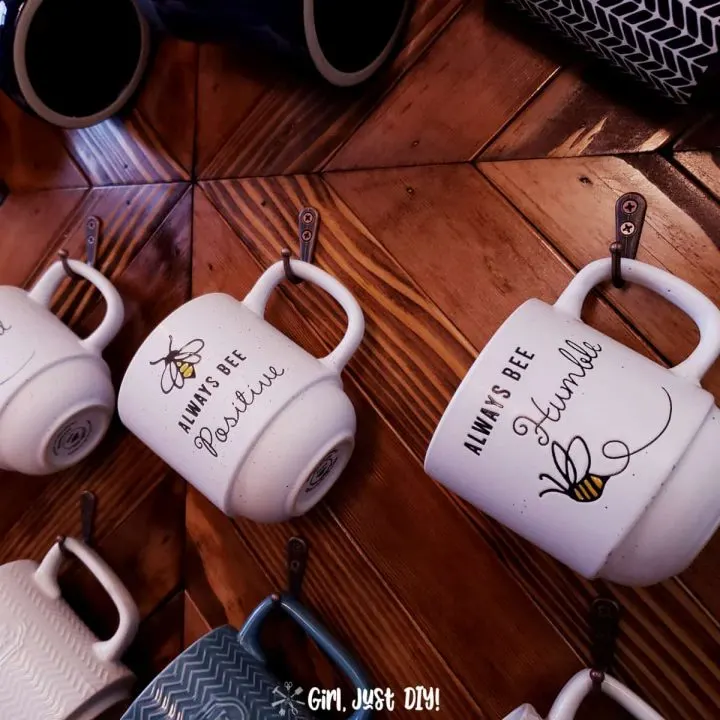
point(223, 676)
point(346, 42)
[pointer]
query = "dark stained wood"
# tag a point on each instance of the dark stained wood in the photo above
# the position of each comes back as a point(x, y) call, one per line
point(32, 153)
point(466, 93)
point(159, 641)
point(153, 140)
point(145, 250)
point(423, 588)
point(582, 112)
point(279, 120)
point(430, 578)
point(703, 166)
point(393, 321)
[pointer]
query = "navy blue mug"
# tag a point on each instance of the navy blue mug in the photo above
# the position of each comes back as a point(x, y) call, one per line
point(224, 675)
point(347, 42)
point(73, 63)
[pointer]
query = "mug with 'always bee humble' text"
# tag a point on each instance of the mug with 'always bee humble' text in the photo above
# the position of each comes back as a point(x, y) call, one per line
point(598, 455)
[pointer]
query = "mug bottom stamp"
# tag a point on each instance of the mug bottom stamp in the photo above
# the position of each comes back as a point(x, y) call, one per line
point(323, 475)
point(76, 436)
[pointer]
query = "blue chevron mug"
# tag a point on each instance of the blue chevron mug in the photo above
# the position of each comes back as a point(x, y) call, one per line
point(223, 676)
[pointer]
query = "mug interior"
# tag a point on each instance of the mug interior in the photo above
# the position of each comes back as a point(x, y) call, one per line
point(78, 58)
point(348, 42)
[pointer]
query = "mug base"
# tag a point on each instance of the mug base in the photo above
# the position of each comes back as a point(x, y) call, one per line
point(106, 699)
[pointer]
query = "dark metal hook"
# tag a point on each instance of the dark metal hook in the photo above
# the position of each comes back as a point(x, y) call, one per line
point(629, 218)
point(289, 274)
point(63, 255)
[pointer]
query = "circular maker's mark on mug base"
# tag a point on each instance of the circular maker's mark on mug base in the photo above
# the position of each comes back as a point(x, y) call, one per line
point(76, 438)
point(323, 477)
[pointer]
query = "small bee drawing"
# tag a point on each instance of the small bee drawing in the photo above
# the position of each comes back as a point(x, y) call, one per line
point(179, 365)
point(573, 465)
point(578, 482)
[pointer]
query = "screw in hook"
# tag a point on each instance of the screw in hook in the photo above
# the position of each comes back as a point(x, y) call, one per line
point(627, 228)
point(629, 206)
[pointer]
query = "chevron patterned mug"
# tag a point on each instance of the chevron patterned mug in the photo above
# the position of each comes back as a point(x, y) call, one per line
point(51, 665)
point(223, 676)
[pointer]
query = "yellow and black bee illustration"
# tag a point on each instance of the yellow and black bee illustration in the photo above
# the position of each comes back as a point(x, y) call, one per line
point(573, 465)
point(179, 365)
point(579, 482)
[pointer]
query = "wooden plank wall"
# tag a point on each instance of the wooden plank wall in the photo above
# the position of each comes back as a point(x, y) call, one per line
point(479, 170)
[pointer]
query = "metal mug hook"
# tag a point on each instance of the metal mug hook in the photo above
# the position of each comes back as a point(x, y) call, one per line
point(63, 255)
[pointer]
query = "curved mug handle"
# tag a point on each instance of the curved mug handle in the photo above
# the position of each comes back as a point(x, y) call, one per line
point(580, 686)
point(689, 299)
point(45, 288)
point(249, 637)
point(46, 577)
point(257, 299)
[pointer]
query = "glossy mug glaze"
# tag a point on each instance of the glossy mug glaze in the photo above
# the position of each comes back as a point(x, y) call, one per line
point(73, 63)
point(258, 425)
point(346, 43)
point(56, 395)
point(595, 453)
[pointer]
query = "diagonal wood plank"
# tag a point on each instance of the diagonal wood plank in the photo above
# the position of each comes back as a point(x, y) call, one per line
point(153, 276)
point(703, 166)
point(584, 112)
point(448, 613)
point(32, 153)
point(151, 141)
point(406, 330)
point(453, 102)
point(276, 120)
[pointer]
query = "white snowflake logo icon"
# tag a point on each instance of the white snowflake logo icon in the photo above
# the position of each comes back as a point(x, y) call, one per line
point(288, 702)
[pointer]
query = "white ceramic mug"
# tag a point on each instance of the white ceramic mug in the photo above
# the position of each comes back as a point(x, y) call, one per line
point(52, 667)
point(574, 693)
point(253, 421)
point(584, 447)
point(56, 396)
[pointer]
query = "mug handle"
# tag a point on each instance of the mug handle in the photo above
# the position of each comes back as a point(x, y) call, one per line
point(46, 577)
point(580, 686)
point(46, 286)
point(681, 294)
point(257, 299)
point(249, 637)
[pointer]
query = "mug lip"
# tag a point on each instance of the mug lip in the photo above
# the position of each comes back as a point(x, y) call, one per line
point(22, 29)
point(327, 69)
point(469, 375)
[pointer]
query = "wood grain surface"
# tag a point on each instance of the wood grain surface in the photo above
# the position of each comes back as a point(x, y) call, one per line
point(479, 169)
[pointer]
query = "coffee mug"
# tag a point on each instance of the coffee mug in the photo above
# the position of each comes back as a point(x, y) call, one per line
point(575, 692)
point(56, 396)
point(51, 665)
point(253, 421)
point(598, 455)
point(347, 43)
point(223, 676)
point(73, 63)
